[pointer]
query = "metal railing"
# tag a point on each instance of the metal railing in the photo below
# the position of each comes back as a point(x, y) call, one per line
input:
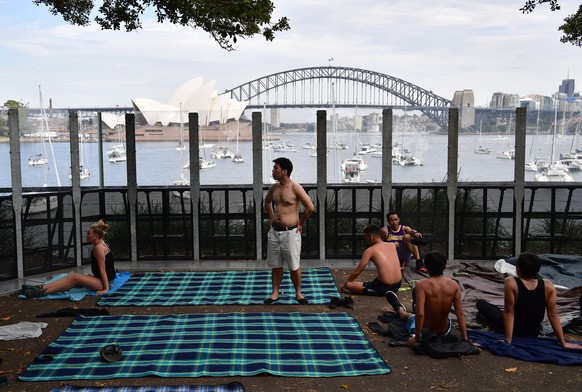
point(484, 223)
point(43, 229)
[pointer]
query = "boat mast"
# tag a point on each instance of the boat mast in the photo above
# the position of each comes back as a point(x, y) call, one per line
point(46, 129)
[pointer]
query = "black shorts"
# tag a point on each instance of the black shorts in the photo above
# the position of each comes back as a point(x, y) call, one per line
point(380, 289)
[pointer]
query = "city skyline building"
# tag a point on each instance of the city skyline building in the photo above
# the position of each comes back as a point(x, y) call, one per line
point(567, 87)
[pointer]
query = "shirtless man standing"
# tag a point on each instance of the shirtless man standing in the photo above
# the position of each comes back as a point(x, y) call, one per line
point(434, 298)
point(384, 256)
point(284, 236)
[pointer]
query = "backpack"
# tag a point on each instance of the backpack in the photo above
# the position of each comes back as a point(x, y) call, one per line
point(444, 346)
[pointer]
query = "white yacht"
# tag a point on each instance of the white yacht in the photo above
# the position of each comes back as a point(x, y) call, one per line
point(482, 150)
point(506, 154)
point(238, 158)
point(222, 153)
point(361, 163)
point(118, 157)
point(553, 174)
point(37, 160)
point(350, 170)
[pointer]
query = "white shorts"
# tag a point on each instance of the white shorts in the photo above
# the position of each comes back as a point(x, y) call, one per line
point(284, 248)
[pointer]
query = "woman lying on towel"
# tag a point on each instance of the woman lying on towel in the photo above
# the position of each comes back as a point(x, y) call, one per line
point(102, 267)
point(526, 301)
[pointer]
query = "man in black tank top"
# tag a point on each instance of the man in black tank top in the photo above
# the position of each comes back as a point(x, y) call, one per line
point(526, 301)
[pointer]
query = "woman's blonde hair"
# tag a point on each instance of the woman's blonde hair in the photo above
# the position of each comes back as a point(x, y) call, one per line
point(99, 228)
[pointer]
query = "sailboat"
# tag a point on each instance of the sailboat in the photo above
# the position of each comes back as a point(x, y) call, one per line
point(84, 172)
point(537, 163)
point(40, 158)
point(403, 156)
point(42, 204)
point(237, 158)
point(481, 149)
point(117, 150)
point(506, 153)
point(555, 172)
point(118, 156)
point(182, 181)
point(117, 153)
point(221, 152)
point(181, 145)
point(352, 167)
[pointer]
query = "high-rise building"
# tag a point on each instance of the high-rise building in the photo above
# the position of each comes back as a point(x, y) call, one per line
point(504, 101)
point(567, 87)
point(497, 100)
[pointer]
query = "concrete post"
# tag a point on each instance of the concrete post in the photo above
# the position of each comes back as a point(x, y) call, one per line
point(519, 175)
point(76, 183)
point(257, 124)
point(100, 149)
point(452, 180)
point(387, 132)
point(322, 179)
point(194, 142)
point(16, 176)
point(131, 181)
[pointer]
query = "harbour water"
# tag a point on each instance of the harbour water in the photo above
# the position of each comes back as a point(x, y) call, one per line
point(159, 163)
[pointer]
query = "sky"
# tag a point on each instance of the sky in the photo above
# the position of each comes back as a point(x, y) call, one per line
point(442, 46)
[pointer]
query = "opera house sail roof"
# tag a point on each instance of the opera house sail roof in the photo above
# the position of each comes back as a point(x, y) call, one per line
point(194, 96)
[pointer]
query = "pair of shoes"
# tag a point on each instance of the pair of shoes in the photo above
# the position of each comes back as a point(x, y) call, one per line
point(35, 292)
point(346, 302)
point(420, 265)
point(393, 300)
point(334, 302)
point(269, 301)
point(302, 301)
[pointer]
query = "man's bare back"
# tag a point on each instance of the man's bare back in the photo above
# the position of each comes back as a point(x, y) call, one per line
point(385, 258)
point(435, 297)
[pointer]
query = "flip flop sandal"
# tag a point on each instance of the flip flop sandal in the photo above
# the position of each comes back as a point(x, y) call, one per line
point(269, 301)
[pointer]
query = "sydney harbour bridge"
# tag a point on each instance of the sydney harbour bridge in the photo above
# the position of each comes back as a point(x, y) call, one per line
point(340, 87)
point(326, 87)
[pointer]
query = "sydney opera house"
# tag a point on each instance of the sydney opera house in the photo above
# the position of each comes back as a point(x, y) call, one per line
point(219, 116)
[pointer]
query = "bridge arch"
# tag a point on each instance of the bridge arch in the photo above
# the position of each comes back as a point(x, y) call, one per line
point(328, 86)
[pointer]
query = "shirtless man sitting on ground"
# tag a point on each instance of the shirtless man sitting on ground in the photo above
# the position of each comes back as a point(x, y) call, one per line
point(434, 299)
point(384, 256)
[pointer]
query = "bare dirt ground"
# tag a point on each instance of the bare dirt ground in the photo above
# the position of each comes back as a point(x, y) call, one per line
point(484, 372)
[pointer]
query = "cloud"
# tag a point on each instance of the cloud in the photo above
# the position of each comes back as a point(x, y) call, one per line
point(442, 46)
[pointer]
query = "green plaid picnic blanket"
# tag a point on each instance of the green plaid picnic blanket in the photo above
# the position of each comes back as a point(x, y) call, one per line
point(290, 344)
point(232, 387)
point(219, 288)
